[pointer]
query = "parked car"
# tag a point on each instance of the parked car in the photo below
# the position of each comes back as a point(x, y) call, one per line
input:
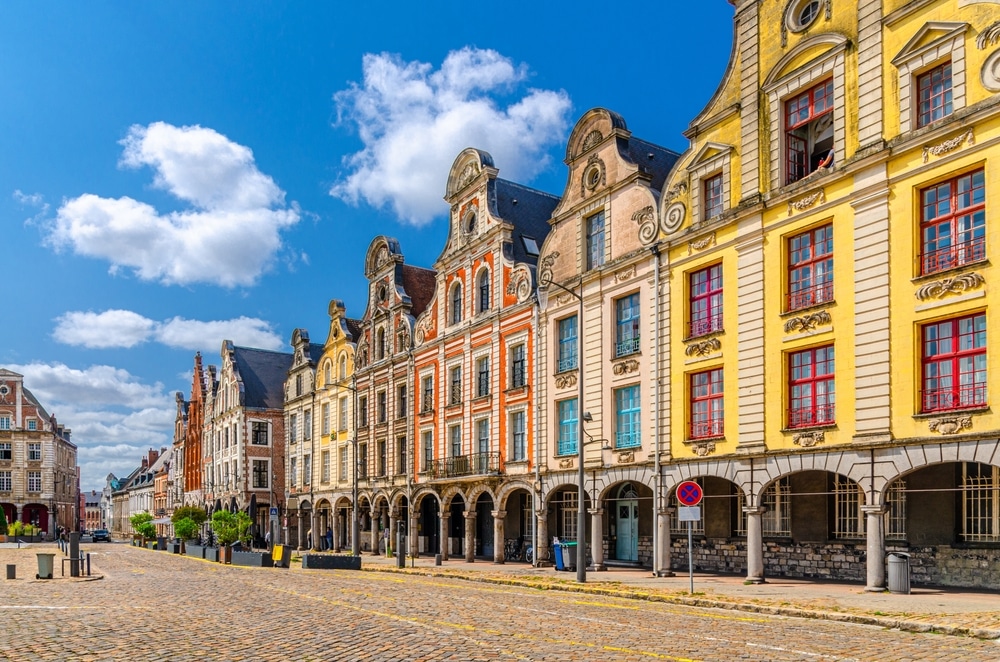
point(97, 535)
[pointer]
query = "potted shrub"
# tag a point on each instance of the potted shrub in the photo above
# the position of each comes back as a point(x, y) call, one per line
point(226, 527)
point(142, 524)
point(185, 529)
point(244, 554)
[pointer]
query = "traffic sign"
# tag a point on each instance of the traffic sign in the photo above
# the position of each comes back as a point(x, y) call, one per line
point(689, 493)
point(274, 512)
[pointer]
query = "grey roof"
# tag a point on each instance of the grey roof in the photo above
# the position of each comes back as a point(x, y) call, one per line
point(652, 159)
point(263, 374)
point(354, 328)
point(33, 400)
point(315, 352)
point(527, 209)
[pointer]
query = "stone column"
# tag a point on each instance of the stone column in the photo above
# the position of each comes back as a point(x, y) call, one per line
point(412, 536)
point(318, 530)
point(755, 546)
point(664, 565)
point(445, 528)
point(374, 532)
point(597, 538)
point(470, 536)
point(337, 530)
point(300, 530)
point(498, 532)
point(542, 557)
point(875, 576)
point(391, 541)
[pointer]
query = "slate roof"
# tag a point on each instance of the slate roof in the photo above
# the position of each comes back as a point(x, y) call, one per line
point(315, 352)
point(419, 285)
point(263, 374)
point(527, 209)
point(44, 415)
point(354, 328)
point(652, 159)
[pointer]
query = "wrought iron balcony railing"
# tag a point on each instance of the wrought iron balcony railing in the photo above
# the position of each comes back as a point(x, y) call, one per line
point(476, 464)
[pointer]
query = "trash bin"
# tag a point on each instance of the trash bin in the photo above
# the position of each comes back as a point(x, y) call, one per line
point(899, 573)
point(557, 555)
point(569, 555)
point(45, 563)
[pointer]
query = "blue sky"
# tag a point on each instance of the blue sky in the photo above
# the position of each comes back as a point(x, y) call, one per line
point(175, 174)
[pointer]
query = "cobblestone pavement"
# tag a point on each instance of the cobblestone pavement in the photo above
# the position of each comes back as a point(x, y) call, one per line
point(149, 605)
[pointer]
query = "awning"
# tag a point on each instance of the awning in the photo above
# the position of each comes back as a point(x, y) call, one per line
point(161, 520)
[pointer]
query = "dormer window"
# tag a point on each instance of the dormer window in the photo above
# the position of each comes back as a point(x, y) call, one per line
point(809, 131)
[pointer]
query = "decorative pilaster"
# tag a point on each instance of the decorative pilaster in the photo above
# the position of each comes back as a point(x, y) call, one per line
point(390, 542)
point(444, 544)
point(470, 536)
point(750, 344)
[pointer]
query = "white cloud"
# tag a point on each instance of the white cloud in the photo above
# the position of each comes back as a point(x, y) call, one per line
point(98, 385)
point(414, 121)
point(124, 328)
point(228, 236)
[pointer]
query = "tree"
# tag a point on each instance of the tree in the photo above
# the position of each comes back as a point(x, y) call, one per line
point(194, 513)
point(225, 527)
point(142, 523)
point(186, 528)
point(3, 522)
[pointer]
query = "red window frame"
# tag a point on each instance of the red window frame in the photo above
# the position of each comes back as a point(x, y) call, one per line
point(705, 287)
point(810, 268)
point(707, 404)
point(712, 190)
point(950, 349)
point(811, 388)
point(953, 223)
point(799, 111)
point(934, 94)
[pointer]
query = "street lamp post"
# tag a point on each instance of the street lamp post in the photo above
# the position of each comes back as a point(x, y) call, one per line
point(581, 518)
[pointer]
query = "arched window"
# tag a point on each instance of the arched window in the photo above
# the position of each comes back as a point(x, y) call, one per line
point(380, 344)
point(328, 373)
point(456, 304)
point(343, 367)
point(484, 290)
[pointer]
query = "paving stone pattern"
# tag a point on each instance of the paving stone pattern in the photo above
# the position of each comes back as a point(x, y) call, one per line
point(150, 605)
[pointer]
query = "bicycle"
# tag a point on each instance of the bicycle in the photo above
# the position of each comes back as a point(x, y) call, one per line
point(529, 554)
point(511, 549)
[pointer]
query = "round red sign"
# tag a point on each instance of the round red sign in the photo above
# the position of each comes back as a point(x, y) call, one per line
point(689, 493)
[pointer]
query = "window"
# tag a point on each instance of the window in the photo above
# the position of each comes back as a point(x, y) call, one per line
point(934, 94)
point(456, 303)
point(568, 509)
point(713, 196)
point(482, 376)
point(328, 372)
point(953, 223)
point(707, 410)
point(455, 397)
point(848, 521)
point(343, 463)
point(259, 474)
point(801, 14)
point(895, 512)
point(808, 131)
point(34, 481)
point(517, 366)
point(307, 425)
point(627, 414)
point(5, 481)
point(810, 268)
point(483, 436)
point(627, 325)
point(362, 460)
point(428, 450)
point(455, 436)
point(811, 392)
point(776, 518)
point(427, 403)
point(343, 367)
point(298, 385)
point(484, 291)
point(363, 411)
point(706, 301)
point(325, 419)
point(568, 426)
point(293, 469)
point(401, 455)
point(980, 502)
point(383, 458)
point(381, 407)
point(954, 364)
point(595, 241)
point(5, 452)
point(518, 441)
point(34, 451)
point(567, 344)
point(4, 422)
point(293, 429)
point(343, 415)
point(324, 471)
point(380, 344)
point(401, 402)
point(32, 424)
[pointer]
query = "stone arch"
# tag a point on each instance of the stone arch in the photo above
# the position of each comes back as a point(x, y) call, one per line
point(822, 44)
point(476, 492)
point(596, 125)
point(508, 488)
point(482, 272)
point(449, 494)
point(466, 168)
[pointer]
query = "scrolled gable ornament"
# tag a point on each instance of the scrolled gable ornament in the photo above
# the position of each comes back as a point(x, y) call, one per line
point(673, 218)
point(948, 425)
point(949, 145)
point(646, 218)
point(520, 284)
point(545, 268)
point(565, 380)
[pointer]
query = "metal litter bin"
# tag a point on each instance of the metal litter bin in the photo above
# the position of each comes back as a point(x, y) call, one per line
point(899, 573)
point(557, 555)
point(569, 555)
point(45, 564)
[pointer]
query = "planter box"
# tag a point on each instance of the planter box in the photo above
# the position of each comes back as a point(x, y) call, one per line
point(197, 551)
point(212, 554)
point(253, 559)
point(151, 545)
point(174, 547)
point(331, 562)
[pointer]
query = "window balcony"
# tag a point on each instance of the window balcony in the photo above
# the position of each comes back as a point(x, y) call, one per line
point(805, 417)
point(950, 257)
point(704, 326)
point(628, 439)
point(707, 429)
point(810, 296)
point(476, 464)
point(566, 363)
point(951, 399)
point(626, 347)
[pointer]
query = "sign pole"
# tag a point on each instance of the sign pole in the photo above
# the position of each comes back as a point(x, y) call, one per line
point(690, 562)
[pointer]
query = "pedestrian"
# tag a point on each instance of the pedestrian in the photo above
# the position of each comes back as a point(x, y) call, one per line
point(309, 539)
point(329, 538)
point(267, 539)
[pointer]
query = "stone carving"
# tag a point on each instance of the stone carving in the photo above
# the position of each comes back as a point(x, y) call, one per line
point(672, 220)
point(545, 268)
point(361, 359)
point(566, 463)
point(989, 36)
point(949, 145)
point(469, 172)
point(381, 257)
point(702, 243)
point(808, 322)
point(403, 336)
point(625, 367)
point(990, 73)
point(703, 448)
point(425, 327)
point(939, 289)
point(594, 175)
point(565, 380)
point(591, 139)
point(950, 424)
point(625, 274)
point(703, 348)
point(520, 284)
point(678, 189)
point(646, 218)
point(626, 457)
point(809, 439)
point(819, 197)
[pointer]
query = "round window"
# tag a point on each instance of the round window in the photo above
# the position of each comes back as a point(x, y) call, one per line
point(4, 390)
point(470, 224)
point(802, 13)
point(592, 178)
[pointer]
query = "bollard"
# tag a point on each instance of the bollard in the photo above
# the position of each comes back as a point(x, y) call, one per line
point(437, 559)
point(74, 554)
point(11, 571)
point(88, 564)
